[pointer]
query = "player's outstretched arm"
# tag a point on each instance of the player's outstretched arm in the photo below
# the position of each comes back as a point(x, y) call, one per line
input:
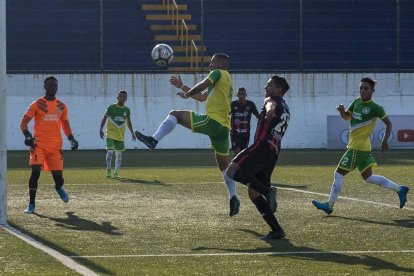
point(177, 82)
point(197, 92)
point(187, 92)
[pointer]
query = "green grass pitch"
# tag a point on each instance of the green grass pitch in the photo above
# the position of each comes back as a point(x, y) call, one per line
point(168, 215)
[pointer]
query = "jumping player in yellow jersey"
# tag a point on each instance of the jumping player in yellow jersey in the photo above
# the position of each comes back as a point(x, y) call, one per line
point(50, 116)
point(362, 113)
point(215, 123)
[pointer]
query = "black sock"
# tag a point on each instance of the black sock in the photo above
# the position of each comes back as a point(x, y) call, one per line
point(58, 181)
point(251, 181)
point(263, 206)
point(33, 186)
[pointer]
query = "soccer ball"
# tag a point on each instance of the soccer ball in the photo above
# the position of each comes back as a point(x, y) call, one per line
point(162, 54)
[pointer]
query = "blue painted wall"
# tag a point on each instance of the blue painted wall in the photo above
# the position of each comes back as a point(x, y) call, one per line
point(261, 35)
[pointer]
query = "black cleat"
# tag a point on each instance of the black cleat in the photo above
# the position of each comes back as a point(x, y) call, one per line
point(271, 198)
point(402, 195)
point(274, 235)
point(149, 141)
point(234, 206)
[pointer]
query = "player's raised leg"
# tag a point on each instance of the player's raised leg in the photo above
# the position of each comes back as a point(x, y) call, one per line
point(167, 126)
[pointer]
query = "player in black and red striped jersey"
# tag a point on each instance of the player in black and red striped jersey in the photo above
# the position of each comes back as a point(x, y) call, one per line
point(241, 114)
point(254, 165)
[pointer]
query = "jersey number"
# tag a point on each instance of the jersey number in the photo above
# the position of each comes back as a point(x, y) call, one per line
point(282, 125)
point(344, 161)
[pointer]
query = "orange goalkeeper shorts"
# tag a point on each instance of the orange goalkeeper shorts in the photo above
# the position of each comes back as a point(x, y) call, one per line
point(51, 160)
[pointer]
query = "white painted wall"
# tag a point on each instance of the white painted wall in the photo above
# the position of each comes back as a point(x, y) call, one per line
point(311, 98)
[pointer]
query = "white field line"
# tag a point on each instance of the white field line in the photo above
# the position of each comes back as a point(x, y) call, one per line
point(69, 258)
point(65, 260)
point(280, 188)
point(269, 253)
point(348, 198)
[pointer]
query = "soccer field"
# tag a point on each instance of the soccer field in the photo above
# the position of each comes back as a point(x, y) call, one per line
point(168, 215)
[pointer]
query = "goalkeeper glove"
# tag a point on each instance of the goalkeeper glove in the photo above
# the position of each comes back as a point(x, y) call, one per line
point(73, 143)
point(28, 139)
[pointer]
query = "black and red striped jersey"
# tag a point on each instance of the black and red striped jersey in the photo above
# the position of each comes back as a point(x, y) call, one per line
point(271, 131)
point(241, 115)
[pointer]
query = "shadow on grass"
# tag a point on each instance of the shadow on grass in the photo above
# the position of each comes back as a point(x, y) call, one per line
point(286, 249)
point(73, 222)
point(407, 223)
point(140, 181)
point(91, 265)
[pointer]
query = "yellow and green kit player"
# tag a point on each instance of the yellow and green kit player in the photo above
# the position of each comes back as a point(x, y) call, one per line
point(216, 90)
point(119, 117)
point(362, 113)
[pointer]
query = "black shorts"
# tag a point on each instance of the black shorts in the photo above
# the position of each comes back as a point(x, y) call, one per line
point(240, 141)
point(259, 160)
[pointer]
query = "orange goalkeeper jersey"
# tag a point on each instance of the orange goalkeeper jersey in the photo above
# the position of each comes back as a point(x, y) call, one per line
point(48, 117)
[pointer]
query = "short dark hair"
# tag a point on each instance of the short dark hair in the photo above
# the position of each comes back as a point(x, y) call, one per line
point(279, 80)
point(370, 81)
point(242, 88)
point(122, 92)
point(49, 78)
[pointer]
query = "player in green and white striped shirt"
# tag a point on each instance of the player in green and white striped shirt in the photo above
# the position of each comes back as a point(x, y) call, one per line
point(362, 113)
point(119, 117)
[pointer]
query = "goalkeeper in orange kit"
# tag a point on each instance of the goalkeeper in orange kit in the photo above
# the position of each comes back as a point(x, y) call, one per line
point(50, 116)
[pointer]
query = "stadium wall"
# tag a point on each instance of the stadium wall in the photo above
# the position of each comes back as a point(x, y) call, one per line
point(311, 99)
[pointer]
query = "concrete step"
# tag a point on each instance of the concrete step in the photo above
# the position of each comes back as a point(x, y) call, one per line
point(161, 7)
point(171, 27)
point(167, 17)
point(175, 37)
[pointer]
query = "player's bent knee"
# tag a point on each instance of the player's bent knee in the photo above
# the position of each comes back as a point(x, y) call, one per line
point(174, 113)
point(231, 170)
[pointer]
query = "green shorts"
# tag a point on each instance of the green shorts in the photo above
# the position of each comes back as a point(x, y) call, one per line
point(112, 144)
point(356, 159)
point(219, 134)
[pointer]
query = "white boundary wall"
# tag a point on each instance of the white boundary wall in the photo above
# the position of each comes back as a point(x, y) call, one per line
point(311, 98)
